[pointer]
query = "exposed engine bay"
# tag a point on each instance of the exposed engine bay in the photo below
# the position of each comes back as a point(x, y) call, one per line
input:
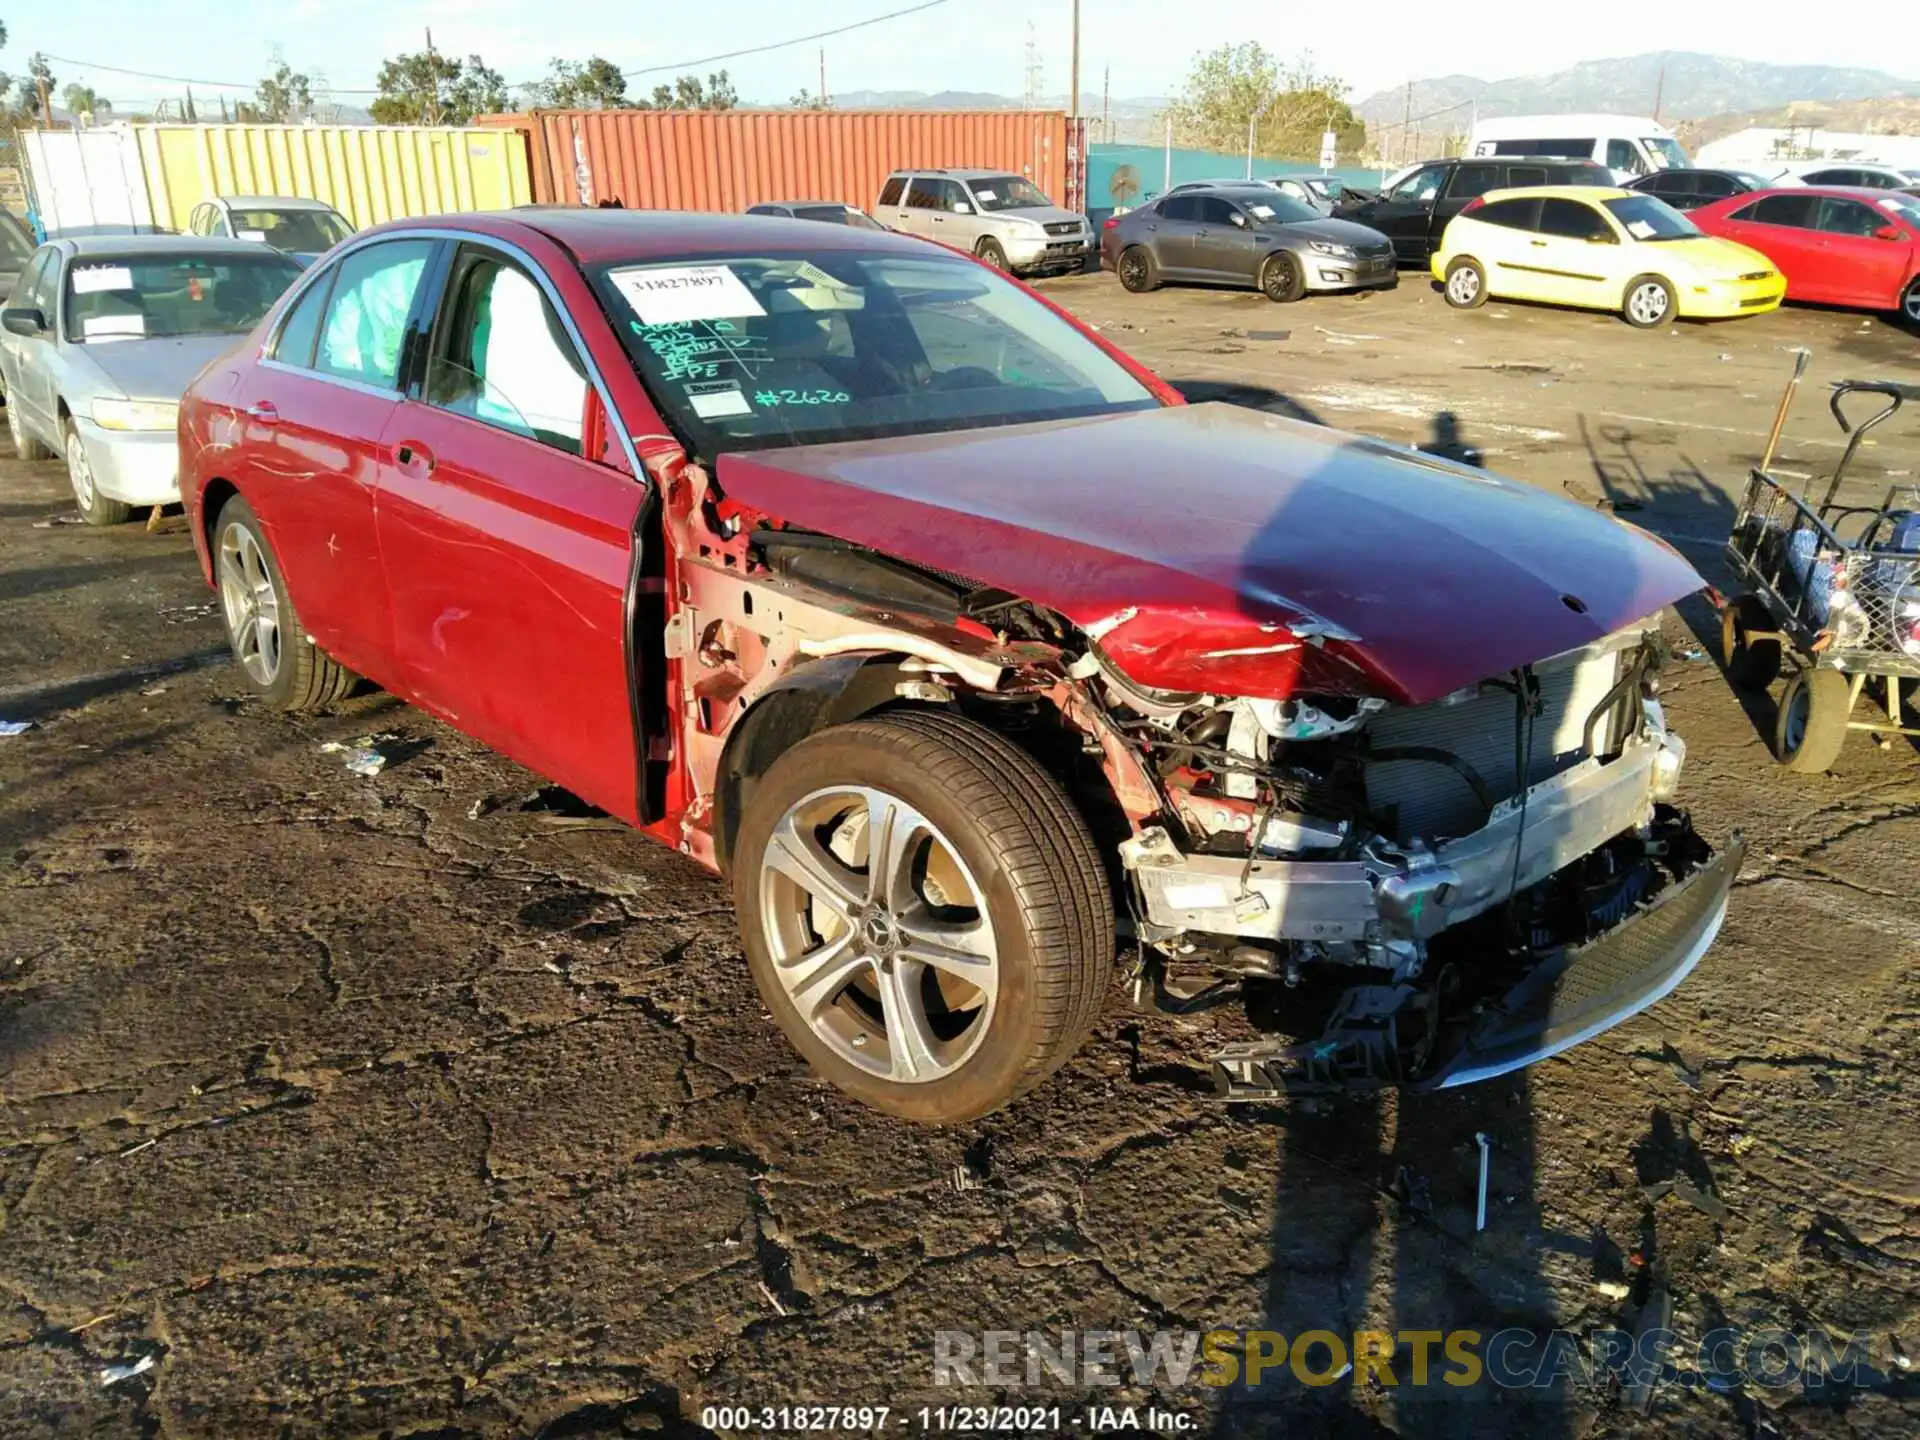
point(1400, 894)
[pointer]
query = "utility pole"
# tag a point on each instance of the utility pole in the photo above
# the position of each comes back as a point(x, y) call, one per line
point(1406, 125)
point(1073, 80)
point(1659, 89)
point(1106, 97)
point(823, 77)
point(432, 114)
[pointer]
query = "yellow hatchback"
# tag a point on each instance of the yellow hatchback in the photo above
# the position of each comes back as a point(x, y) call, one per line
point(1600, 249)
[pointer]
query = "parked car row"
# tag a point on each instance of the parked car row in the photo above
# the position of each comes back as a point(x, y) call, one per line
point(794, 545)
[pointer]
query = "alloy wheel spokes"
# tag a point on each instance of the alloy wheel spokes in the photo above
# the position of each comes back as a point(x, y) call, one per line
point(962, 949)
point(911, 1044)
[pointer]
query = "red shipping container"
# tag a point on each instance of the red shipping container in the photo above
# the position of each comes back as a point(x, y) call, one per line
point(727, 160)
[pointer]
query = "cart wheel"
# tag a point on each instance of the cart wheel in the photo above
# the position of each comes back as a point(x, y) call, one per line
point(1813, 720)
point(1750, 664)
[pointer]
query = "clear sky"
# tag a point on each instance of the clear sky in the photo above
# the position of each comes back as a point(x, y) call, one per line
point(961, 44)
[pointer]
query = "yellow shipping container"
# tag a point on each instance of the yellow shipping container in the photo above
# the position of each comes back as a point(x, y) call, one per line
point(369, 173)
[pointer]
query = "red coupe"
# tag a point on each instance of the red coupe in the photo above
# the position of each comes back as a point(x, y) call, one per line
point(1836, 245)
point(859, 572)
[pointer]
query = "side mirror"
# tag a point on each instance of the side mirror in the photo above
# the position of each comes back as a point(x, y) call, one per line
point(28, 322)
point(1239, 219)
point(1888, 232)
point(962, 208)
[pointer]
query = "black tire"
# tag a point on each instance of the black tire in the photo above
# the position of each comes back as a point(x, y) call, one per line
point(1281, 278)
point(25, 446)
point(1910, 302)
point(1466, 277)
point(306, 678)
point(1750, 664)
point(94, 508)
point(991, 253)
point(1637, 307)
point(1138, 274)
point(1811, 727)
point(1048, 901)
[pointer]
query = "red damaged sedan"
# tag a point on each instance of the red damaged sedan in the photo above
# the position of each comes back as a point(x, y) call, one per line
point(858, 572)
point(1837, 245)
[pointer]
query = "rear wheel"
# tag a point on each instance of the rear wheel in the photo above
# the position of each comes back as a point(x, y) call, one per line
point(1137, 271)
point(286, 668)
point(1910, 301)
point(924, 912)
point(1466, 287)
point(25, 447)
point(1281, 278)
point(1750, 664)
point(95, 508)
point(990, 251)
point(1649, 302)
point(1812, 724)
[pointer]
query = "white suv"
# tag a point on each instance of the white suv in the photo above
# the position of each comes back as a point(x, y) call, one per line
point(1004, 219)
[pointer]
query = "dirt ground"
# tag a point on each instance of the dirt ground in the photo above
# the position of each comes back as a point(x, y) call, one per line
point(422, 1105)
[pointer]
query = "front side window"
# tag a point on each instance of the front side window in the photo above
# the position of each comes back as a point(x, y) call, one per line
point(766, 350)
point(1215, 211)
point(1717, 186)
point(1831, 177)
point(27, 289)
point(1666, 152)
point(1847, 217)
point(171, 295)
point(1424, 184)
point(1622, 156)
point(928, 193)
point(366, 325)
point(1009, 192)
point(295, 231)
point(502, 356)
point(1646, 218)
point(1570, 220)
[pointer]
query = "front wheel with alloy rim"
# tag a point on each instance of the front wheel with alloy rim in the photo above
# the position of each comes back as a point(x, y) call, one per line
point(1910, 301)
point(95, 508)
point(1137, 271)
point(1812, 723)
point(1649, 302)
point(1466, 287)
point(286, 668)
point(990, 252)
point(924, 912)
point(25, 447)
point(1281, 278)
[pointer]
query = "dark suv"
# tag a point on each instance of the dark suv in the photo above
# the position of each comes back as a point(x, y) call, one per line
point(1414, 213)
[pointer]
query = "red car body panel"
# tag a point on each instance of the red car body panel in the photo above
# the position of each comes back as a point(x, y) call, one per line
point(1203, 546)
point(1823, 267)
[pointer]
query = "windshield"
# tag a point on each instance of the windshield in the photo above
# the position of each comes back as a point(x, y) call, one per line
point(755, 351)
point(1647, 218)
point(1911, 174)
point(1278, 209)
point(1907, 207)
point(132, 297)
point(1666, 153)
point(838, 215)
point(295, 231)
point(1008, 192)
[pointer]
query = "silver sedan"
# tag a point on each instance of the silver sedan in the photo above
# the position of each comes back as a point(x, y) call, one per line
point(99, 340)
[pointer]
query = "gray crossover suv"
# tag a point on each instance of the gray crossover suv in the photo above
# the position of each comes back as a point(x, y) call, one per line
point(1004, 219)
point(1244, 235)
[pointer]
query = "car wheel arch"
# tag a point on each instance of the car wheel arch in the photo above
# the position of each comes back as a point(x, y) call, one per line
point(214, 496)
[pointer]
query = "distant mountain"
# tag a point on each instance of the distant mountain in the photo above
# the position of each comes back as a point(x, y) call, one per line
point(1695, 86)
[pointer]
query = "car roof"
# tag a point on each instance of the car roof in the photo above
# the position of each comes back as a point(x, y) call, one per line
point(952, 172)
point(596, 236)
point(1838, 192)
point(1563, 192)
point(133, 245)
point(273, 202)
point(826, 204)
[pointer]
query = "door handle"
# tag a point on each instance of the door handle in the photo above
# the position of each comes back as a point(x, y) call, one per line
point(411, 455)
point(1538, 244)
point(263, 412)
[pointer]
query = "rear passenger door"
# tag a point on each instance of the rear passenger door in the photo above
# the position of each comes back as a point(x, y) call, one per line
point(1469, 181)
point(1781, 227)
point(506, 519)
point(1175, 234)
point(891, 208)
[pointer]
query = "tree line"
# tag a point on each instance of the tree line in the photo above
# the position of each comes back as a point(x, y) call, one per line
point(1290, 105)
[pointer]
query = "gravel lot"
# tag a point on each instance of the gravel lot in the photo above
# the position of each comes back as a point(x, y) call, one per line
point(424, 1105)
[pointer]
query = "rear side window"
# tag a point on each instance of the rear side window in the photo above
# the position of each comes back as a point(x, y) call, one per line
point(301, 328)
point(893, 190)
point(1513, 214)
point(1181, 207)
point(830, 214)
point(366, 324)
point(1471, 180)
point(1832, 177)
point(1520, 176)
point(1795, 210)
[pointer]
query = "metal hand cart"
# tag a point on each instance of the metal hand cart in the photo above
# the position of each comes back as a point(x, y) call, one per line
point(1835, 588)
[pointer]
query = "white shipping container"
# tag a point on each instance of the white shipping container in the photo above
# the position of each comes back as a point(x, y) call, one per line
point(86, 180)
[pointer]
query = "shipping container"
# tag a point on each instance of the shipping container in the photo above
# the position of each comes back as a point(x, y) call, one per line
point(726, 160)
point(86, 180)
point(369, 173)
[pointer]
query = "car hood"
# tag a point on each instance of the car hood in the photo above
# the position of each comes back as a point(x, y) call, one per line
point(1214, 548)
point(1714, 257)
point(157, 369)
point(1338, 232)
point(1045, 214)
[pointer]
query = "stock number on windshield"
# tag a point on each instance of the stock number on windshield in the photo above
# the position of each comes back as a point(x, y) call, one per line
point(772, 398)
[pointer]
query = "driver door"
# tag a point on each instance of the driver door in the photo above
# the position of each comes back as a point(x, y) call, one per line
point(1405, 213)
point(1223, 246)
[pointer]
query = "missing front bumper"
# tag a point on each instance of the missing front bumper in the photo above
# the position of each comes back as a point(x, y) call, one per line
point(1568, 998)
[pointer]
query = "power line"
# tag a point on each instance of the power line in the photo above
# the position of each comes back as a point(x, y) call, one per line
point(680, 66)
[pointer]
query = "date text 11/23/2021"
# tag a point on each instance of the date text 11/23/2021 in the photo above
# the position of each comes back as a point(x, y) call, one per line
point(958, 1420)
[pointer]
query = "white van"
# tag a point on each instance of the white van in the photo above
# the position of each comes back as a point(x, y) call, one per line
point(1628, 145)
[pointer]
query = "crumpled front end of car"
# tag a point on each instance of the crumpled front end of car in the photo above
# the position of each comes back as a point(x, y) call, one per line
point(1422, 895)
